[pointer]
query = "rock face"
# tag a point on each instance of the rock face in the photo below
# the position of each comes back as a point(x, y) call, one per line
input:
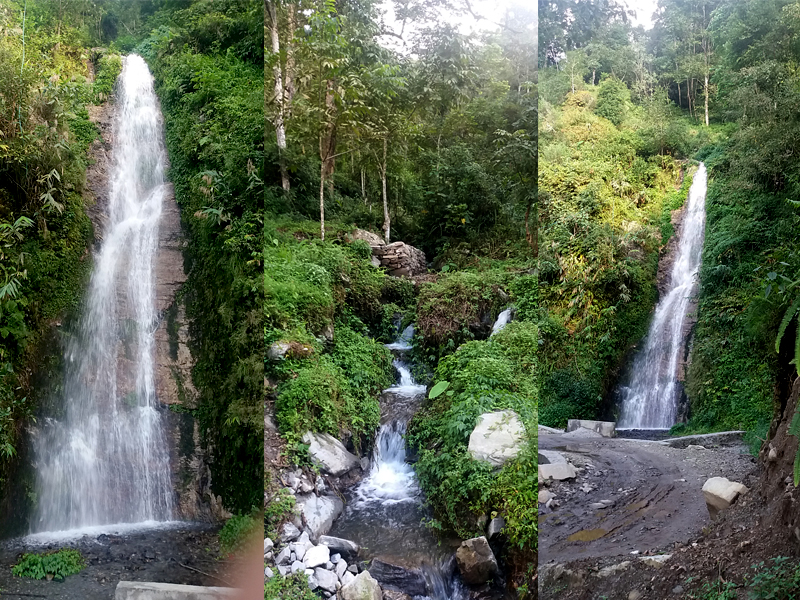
point(318, 512)
point(191, 475)
point(557, 471)
point(720, 493)
point(399, 578)
point(345, 548)
point(497, 437)
point(399, 259)
point(476, 561)
point(362, 587)
point(607, 429)
point(329, 454)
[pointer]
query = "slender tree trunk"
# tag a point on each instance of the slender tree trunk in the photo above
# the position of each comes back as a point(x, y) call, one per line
point(680, 104)
point(363, 187)
point(290, 62)
point(280, 128)
point(386, 220)
point(322, 201)
point(530, 233)
point(706, 93)
point(593, 74)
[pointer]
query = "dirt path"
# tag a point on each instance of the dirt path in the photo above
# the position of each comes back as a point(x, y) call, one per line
point(146, 556)
point(653, 492)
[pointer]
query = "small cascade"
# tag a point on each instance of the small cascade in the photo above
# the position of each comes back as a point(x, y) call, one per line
point(385, 511)
point(651, 399)
point(502, 320)
point(104, 459)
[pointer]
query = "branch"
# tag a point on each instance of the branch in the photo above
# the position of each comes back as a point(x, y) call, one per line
point(480, 18)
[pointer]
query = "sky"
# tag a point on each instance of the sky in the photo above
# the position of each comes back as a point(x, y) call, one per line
point(490, 10)
point(644, 11)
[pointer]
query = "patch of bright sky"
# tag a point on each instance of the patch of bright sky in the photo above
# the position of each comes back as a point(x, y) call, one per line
point(492, 12)
point(644, 11)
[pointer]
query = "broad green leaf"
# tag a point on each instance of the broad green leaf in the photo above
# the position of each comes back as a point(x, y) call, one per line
point(438, 389)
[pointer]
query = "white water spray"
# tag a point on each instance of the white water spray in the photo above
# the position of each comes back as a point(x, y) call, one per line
point(104, 460)
point(502, 320)
point(651, 401)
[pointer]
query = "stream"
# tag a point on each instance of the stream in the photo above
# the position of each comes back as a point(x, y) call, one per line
point(385, 511)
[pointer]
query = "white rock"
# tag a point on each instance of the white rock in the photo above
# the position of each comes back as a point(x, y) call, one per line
point(300, 549)
point(268, 573)
point(284, 556)
point(284, 571)
point(326, 579)
point(347, 578)
point(341, 568)
point(335, 558)
point(329, 566)
point(544, 496)
point(495, 526)
point(656, 561)
point(319, 512)
point(720, 493)
point(497, 437)
point(557, 471)
point(297, 566)
point(316, 556)
point(268, 545)
point(330, 454)
point(361, 587)
point(289, 532)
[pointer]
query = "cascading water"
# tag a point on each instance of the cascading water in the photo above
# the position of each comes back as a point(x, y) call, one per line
point(385, 511)
point(651, 400)
point(502, 320)
point(104, 459)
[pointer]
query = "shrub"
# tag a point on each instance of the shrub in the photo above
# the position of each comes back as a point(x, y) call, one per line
point(237, 530)
point(613, 98)
point(59, 565)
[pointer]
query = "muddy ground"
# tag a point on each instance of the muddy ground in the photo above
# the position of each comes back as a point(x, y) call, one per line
point(656, 506)
point(188, 554)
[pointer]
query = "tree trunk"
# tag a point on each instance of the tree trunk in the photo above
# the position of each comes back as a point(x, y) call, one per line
point(680, 104)
point(290, 64)
point(593, 73)
point(322, 201)
point(530, 234)
point(280, 128)
point(386, 220)
point(363, 187)
point(706, 93)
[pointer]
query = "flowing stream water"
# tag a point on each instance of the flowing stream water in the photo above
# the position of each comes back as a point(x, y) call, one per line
point(104, 459)
point(385, 511)
point(651, 399)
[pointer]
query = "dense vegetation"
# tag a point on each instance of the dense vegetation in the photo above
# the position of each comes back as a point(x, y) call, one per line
point(45, 133)
point(208, 62)
point(712, 81)
point(436, 149)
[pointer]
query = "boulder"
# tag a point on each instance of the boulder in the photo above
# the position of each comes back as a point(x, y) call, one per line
point(476, 561)
point(656, 561)
point(289, 532)
point(393, 595)
point(361, 587)
point(399, 578)
point(551, 457)
point(495, 527)
point(557, 471)
point(327, 580)
point(319, 512)
point(345, 548)
point(316, 556)
point(278, 350)
point(329, 454)
point(720, 493)
point(613, 569)
point(604, 428)
point(347, 577)
point(497, 437)
point(372, 239)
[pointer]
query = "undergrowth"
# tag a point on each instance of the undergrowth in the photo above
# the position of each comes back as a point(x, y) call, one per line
point(53, 565)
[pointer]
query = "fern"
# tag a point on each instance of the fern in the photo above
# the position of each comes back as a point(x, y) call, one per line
point(787, 318)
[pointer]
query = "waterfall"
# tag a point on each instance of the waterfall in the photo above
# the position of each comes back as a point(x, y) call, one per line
point(104, 458)
point(502, 320)
point(651, 400)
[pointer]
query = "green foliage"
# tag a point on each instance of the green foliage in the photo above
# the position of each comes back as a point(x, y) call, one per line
point(776, 581)
point(237, 531)
point(483, 376)
point(108, 69)
point(278, 508)
point(292, 587)
point(57, 565)
point(612, 100)
point(337, 392)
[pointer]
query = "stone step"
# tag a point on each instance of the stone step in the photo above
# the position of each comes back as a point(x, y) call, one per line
point(148, 590)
